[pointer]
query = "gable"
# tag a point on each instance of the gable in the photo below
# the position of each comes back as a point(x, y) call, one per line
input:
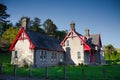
point(21, 36)
point(96, 39)
point(37, 41)
point(79, 36)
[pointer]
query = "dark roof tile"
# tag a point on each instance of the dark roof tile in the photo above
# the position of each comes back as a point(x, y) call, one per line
point(44, 41)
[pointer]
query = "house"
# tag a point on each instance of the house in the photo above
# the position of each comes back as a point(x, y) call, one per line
point(84, 49)
point(35, 49)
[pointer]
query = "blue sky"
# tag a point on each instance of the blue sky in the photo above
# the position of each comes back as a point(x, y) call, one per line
point(100, 16)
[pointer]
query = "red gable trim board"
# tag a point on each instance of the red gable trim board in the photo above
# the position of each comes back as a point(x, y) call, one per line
point(86, 47)
point(20, 37)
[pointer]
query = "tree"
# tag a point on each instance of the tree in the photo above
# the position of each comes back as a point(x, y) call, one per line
point(60, 35)
point(8, 36)
point(3, 18)
point(109, 49)
point(49, 27)
point(35, 24)
point(3, 14)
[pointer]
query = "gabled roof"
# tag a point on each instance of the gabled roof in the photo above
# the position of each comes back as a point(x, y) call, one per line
point(80, 37)
point(38, 41)
point(44, 42)
point(95, 39)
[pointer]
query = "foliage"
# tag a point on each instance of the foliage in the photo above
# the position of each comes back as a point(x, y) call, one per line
point(3, 14)
point(3, 18)
point(110, 51)
point(49, 27)
point(60, 35)
point(8, 36)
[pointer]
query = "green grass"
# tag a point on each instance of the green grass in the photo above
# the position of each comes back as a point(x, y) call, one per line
point(112, 71)
point(72, 72)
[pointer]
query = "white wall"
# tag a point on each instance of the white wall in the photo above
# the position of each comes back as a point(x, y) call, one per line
point(75, 46)
point(23, 52)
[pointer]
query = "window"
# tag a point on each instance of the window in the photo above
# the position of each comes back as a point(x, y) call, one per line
point(43, 55)
point(16, 54)
point(78, 55)
point(67, 43)
point(53, 56)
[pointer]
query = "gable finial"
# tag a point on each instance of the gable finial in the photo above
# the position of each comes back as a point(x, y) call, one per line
point(72, 26)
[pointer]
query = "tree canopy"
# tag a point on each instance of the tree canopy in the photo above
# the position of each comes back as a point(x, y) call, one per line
point(3, 14)
point(49, 27)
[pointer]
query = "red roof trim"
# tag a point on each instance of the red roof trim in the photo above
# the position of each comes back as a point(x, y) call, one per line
point(17, 38)
point(86, 47)
point(63, 42)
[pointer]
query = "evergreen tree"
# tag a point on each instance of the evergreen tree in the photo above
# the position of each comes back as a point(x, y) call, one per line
point(3, 18)
point(50, 28)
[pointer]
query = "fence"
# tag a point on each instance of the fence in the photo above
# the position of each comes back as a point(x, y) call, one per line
point(64, 75)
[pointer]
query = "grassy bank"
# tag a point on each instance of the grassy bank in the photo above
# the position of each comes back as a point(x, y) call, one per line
point(112, 71)
point(72, 73)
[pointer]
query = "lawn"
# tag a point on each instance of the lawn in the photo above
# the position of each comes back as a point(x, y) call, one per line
point(112, 71)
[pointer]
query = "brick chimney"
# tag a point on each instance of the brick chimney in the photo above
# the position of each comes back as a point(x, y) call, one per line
point(87, 34)
point(72, 26)
point(25, 23)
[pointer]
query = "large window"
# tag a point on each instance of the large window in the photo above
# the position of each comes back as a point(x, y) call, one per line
point(78, 55)
point(43, 55)
point(53, 56)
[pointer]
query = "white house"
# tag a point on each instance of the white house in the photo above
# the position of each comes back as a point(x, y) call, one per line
point(34, 49)
point(84, 49)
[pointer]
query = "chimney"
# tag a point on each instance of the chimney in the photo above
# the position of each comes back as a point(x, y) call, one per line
point(72, 26)
point(25, 23)
point(87, 34)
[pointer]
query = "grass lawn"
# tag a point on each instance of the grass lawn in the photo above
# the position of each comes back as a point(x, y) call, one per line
point(112, 71)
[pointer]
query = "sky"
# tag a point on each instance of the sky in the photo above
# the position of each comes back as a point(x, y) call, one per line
point(100, 16)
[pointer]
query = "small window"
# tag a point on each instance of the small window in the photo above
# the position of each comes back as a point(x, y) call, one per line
point(67, 43)
point(16, 54)
point(78, 55)
point(45, 56)
point(41, 54)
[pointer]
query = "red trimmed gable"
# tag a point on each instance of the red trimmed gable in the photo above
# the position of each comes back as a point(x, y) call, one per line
point(19, 37)
point(86, 47)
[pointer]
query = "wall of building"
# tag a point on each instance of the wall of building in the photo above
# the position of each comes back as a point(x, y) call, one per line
point(72, 50)
point(49, 58)
point(24, 55)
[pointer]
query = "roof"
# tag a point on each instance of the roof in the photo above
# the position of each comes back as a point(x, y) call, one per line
point(94, 38)
point(38, 41)
point(80, 37)
point(44, 41)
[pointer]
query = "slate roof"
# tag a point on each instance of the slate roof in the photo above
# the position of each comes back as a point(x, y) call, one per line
point(43, 41)
point(94, 38)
